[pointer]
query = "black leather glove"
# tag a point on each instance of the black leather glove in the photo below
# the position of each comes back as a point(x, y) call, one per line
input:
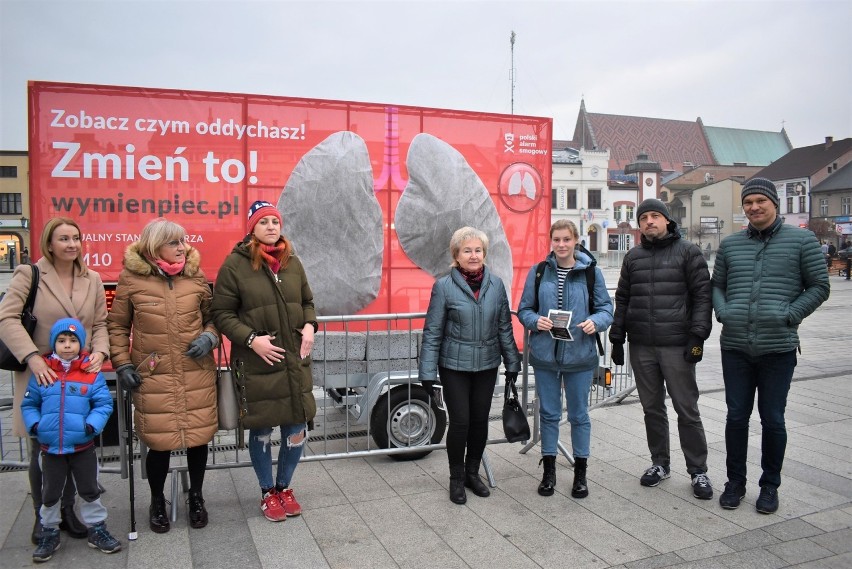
point(511, 376)
point(201, 346)
point(90, 430)
point(617, 353)
point(694, 350)
point(128, 377)
point(429, 386)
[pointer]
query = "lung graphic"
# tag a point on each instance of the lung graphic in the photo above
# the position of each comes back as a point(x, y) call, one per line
point(442, 195)
point(335, 223)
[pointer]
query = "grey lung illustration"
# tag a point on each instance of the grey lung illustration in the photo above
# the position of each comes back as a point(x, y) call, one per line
point(442, 195)
point(335, 223)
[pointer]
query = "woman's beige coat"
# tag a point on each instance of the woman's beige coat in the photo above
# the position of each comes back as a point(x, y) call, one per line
point(175, 407)
point(87, 303)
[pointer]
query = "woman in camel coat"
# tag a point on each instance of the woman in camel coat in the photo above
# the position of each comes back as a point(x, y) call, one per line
point(163, 298)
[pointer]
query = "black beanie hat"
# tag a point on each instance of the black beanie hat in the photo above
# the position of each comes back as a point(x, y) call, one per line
point(652, 204)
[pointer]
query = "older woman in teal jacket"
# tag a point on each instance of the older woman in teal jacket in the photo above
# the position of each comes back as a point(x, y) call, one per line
point(562, 364)
point(468, 330)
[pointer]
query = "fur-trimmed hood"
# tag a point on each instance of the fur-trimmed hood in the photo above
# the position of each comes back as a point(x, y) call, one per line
point(136, 263)
point(175, 407)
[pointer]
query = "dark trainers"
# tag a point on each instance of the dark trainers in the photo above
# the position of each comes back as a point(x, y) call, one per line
point(734, 492)
point(767, 502)
point(654, 475)
point(48, 543)
point(701, 487)
point(197, 511)
point(99, 538)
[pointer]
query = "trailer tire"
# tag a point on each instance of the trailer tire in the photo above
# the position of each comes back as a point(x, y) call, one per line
point(396, 420)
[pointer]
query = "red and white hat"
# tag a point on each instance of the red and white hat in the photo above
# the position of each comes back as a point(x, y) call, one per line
point(258, 211)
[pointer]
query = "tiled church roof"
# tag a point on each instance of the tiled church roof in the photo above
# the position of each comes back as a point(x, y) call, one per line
point(672, 143)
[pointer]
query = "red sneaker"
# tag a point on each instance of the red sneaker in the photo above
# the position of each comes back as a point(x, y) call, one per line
point(288, 500)
point(272, 508)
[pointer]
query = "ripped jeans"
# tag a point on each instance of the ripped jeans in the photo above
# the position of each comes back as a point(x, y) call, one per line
point(293, 439)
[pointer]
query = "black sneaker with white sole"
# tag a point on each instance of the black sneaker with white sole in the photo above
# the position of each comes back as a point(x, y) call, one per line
point(654, 475)
point(701, 486)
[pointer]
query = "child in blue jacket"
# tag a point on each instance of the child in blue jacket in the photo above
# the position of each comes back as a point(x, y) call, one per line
point(65, 417)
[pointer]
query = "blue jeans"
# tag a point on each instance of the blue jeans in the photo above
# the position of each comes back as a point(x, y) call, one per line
point(289, 454)
point(769, 375)
point(577, 384)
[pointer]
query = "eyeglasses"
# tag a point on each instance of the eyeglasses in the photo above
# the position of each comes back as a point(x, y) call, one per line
point(176, 242)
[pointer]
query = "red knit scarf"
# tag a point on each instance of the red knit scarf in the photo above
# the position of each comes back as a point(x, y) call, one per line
point(272, 255)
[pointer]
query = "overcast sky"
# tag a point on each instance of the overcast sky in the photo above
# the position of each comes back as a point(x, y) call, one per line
point(749, 64)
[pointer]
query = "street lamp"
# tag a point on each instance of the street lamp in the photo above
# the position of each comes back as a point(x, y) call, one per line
point(582, 217)
point(24, 222)
point(720, 223)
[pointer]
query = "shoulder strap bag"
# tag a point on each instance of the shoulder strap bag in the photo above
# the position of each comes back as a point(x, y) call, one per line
point(28, 320)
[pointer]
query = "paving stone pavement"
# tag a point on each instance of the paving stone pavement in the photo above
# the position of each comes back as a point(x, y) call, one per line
point(378, 512)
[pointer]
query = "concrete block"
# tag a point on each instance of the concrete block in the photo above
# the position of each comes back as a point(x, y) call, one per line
point(328, 373)
point(339, 346)
point(394, 344)
point(376, 366)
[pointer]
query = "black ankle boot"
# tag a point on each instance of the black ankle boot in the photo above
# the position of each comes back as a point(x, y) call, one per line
point(548, 480)
point(197, 511)
point(159, 521)
point(473, 481)
point(579, 489)
point(457, 479)
point(74, 527)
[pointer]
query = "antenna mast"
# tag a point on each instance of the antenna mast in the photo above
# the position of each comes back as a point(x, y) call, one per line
point(512, 71)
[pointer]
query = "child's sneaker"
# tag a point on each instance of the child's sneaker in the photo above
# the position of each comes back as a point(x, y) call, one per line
point(272, 508)
point(99, 538)
point(48, 543)
point(288, 500)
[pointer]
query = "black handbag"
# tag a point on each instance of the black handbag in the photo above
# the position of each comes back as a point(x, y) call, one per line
point(515, 424)
point(7, 360)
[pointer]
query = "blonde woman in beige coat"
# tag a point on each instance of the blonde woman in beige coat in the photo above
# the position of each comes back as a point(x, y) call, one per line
point(163, 299)
point(66, 289)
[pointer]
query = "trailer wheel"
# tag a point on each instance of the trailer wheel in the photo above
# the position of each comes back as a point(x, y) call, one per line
point(398, 421)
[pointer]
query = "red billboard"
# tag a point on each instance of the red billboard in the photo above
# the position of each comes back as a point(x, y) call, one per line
point(369, 192)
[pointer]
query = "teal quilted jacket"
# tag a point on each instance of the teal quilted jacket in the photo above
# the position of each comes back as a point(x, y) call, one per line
point(764, 285)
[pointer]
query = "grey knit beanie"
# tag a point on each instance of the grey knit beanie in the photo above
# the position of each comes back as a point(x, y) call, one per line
point(760, 186)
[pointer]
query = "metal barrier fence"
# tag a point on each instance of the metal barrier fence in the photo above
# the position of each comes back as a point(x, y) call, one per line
point(369, 403)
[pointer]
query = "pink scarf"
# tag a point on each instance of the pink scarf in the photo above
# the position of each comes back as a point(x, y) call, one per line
point(170, 269)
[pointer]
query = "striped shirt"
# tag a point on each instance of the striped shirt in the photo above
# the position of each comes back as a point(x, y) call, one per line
point(561, 275)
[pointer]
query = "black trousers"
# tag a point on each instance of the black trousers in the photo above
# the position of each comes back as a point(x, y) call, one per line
point(467, 395)
point(34, 472)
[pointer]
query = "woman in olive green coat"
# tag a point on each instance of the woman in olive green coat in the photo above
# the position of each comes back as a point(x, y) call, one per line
point(263, 304)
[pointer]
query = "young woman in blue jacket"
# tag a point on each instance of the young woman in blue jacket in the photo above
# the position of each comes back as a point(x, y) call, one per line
point(559, 364)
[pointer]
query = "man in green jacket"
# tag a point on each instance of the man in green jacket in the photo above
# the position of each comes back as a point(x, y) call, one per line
point(766, 280)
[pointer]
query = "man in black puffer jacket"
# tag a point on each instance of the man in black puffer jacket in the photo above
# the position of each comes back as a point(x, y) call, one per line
point(663, 307)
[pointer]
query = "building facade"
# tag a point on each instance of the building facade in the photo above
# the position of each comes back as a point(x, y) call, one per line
point(14, 208)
